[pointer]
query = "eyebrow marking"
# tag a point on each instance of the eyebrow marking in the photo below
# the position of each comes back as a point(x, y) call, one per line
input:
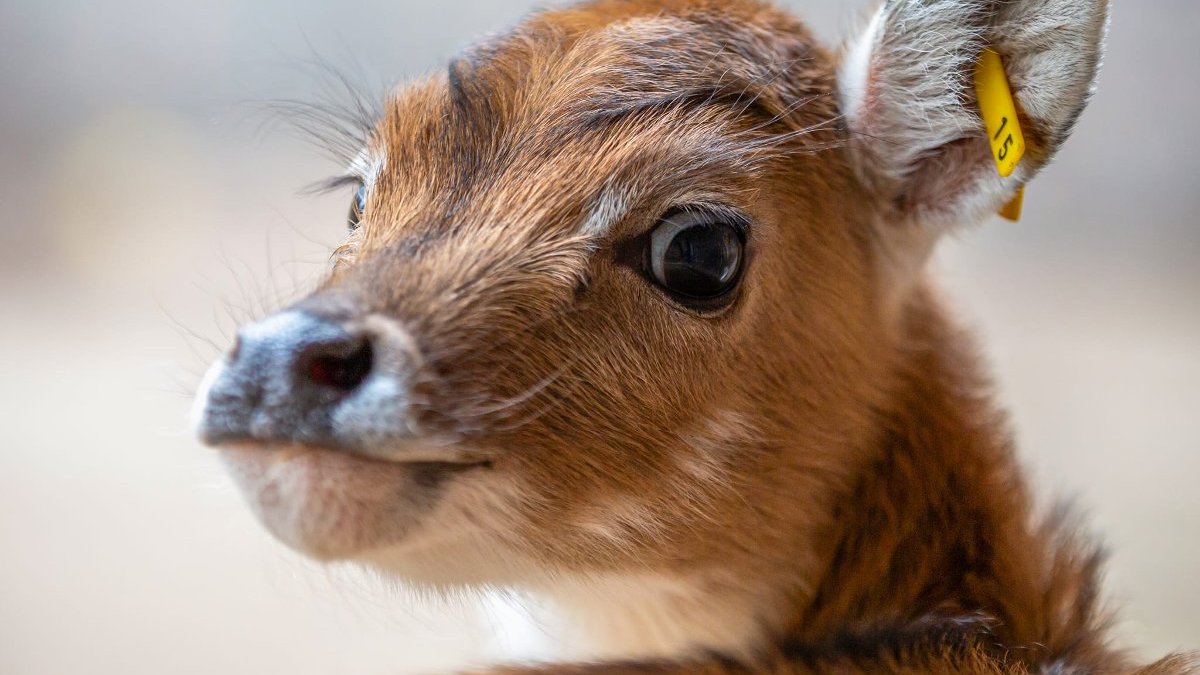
point(366, 166)
point(610, 206)
point(364, 169)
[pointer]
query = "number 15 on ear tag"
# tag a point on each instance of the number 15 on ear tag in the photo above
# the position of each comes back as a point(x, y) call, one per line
point(999, 113)
point(999, 110)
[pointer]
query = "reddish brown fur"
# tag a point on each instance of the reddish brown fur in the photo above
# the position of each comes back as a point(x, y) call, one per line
point(867, 498)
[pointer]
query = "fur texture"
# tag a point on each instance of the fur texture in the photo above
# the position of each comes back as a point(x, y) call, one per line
point(810, 478)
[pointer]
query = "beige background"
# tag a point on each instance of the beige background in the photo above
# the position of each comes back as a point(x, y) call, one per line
point(144, 209)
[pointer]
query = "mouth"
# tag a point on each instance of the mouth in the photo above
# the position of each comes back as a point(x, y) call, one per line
point(332, 504)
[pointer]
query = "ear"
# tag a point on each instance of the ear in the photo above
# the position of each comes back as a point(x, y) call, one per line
point(906, 86)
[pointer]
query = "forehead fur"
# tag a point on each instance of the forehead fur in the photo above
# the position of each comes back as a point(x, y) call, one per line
point(604, 60)
point(574, 109)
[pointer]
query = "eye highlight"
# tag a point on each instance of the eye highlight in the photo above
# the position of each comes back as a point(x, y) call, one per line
point(358, 206)
point(697, 257)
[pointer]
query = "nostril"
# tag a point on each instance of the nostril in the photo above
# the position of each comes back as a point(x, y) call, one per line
point(339, 365)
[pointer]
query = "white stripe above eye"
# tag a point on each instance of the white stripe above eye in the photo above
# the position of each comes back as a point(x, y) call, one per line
point(367, 166)
point(609, 208)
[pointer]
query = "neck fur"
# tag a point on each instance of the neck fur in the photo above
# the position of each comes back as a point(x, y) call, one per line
point(655, 616)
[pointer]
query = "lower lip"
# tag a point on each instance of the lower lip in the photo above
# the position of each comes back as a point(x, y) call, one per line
point(331, 504)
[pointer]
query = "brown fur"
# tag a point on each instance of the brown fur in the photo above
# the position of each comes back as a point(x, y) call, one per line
point(841, 468)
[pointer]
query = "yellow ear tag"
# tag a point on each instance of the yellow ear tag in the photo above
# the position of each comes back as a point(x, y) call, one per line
point(999, 110)
point(1012, 210)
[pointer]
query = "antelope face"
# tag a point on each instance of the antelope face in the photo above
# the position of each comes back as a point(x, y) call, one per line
point(620, 288)
point(565, 262)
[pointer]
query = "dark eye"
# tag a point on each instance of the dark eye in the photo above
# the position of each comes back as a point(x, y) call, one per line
point(696, 256)
point(357, 206)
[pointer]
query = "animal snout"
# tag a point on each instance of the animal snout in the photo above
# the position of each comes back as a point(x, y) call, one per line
point(300, 377)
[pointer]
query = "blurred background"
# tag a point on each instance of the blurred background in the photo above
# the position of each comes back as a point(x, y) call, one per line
point(145, 209)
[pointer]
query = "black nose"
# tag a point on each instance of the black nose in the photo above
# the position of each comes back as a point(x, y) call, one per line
point(284, 378)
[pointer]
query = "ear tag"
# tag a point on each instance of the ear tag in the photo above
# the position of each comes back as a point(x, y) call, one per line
point(1012, 210)
point(999, 110)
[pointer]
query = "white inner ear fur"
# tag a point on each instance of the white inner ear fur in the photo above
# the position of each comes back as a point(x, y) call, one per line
point(855, 72)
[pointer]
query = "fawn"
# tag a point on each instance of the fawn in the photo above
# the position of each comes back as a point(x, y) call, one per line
point(632, 316)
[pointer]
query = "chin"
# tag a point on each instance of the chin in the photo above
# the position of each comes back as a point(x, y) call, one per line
point(332, 505)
